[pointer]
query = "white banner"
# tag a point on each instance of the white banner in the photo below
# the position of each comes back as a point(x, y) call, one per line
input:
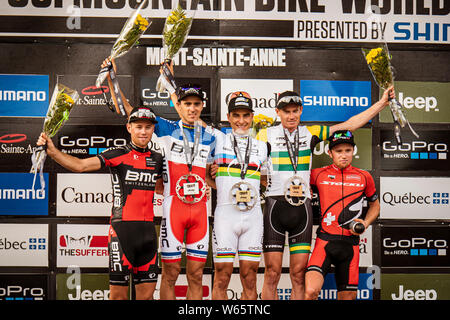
point(23, 245)
point(83, 245)
point(425, 21)
point(81, 195)
point(414, 198)
point(264, 93)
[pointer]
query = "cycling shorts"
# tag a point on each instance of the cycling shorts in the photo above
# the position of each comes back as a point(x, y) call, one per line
point(281, 217)
point(344, 255)
point(237, 231)
point(133, 249)
point(179, 217)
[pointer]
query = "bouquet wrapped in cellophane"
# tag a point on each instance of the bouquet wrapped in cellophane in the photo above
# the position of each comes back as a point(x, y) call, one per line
point(261, 121)
point(379, 62)
point(62, 101)
point(131, 32)
point(175, 32)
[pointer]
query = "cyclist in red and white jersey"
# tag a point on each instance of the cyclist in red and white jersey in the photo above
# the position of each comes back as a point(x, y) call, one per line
point(134, 169)
point(183, 213)
point(342, 189)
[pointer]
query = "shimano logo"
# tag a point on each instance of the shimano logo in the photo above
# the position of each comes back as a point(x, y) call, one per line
point(19, 95)
point(22, 194)
point(335, 101)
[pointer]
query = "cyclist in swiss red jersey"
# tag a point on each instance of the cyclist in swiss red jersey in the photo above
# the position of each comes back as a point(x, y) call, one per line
point(133, 242)
point(342, 189)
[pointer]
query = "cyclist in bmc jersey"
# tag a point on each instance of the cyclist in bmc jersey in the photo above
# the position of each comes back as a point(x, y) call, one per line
point(188, 149)
point(133, 243)
point(342, 190)
point(288, 195)
point(238, 220)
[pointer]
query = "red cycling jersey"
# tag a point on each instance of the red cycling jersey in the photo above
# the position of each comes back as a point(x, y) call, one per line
point(341, 194)
point(134, 172)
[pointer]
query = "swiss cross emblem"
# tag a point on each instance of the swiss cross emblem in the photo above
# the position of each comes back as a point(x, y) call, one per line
point(329, 218)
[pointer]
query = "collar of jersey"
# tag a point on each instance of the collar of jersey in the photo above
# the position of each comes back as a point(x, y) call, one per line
point(349, 168)
point(187, 126)
point(138, 149)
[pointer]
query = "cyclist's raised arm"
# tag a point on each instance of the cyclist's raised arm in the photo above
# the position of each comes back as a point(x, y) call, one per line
point(128, 107)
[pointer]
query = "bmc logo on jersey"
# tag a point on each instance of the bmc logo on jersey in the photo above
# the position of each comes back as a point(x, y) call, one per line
point(334, 100)
point(139, 176)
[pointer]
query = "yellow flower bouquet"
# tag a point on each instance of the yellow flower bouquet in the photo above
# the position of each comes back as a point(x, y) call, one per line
point(62, 101)
point(176, 29)
point(379, 62)
point(261, 121)
point(131, 32)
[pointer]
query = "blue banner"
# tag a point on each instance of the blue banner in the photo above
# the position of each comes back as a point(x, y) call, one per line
point(334, 101)
point(329, 291)
point(23, 95)
point(18, 198)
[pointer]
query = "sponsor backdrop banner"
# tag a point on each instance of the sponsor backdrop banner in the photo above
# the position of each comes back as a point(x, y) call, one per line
point(89, 195)
point(284, 289)
point(428, 152)
point(84, 195)
point(415, 286)
point(415, 246)
point(84, 141)
point(17, 196)
point(17, 142)
point(162, 104)
point(264, 93)
point(28, 287)
point(325, 100)
point(82, 245)
point(414, 198)
point(23, 95)
point(327, 20)
point(24, 245)
point(425, 102)
point(92, 102)
point(362, 156)
point(82, 286)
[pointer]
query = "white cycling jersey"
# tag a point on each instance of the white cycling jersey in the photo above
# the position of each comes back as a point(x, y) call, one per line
point(229, 171)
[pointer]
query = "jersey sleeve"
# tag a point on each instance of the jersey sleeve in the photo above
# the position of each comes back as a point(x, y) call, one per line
point(370, 191)
point(319, 133)
point(313, 176)
point(164, 127)
point(110, 157)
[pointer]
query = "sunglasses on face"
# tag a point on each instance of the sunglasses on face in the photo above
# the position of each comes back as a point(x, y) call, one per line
point(290, 99)
point(240, 94)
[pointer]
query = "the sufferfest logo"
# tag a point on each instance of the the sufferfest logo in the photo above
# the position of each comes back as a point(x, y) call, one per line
point(23, 95)
point(334, 100)
point(88, 245)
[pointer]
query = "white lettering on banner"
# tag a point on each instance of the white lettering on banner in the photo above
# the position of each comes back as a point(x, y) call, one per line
point(339, 101)
point(221, 57)
point(24, 194)
point(26, 96)
point(413, 21)
point(414, 295)
point(429, 103)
